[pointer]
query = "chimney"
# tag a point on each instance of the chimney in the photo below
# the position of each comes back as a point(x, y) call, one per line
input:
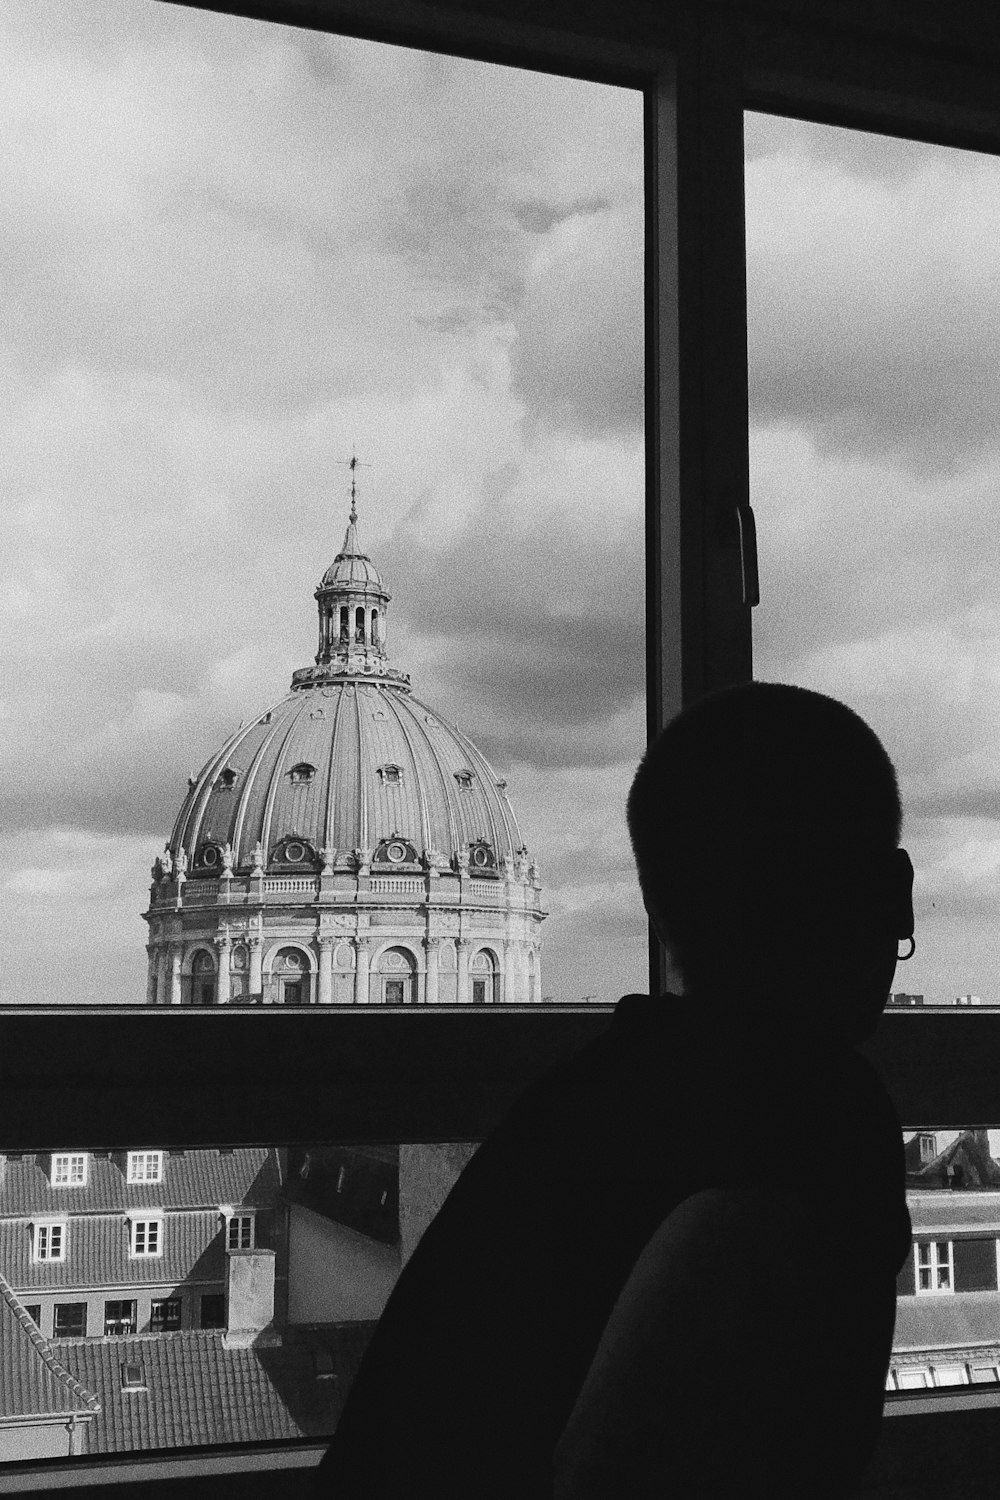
point(249, 1299)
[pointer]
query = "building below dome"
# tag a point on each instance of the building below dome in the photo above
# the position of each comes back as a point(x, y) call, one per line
point(347, 846)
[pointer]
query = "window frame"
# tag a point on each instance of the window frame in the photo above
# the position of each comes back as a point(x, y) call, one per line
point(69, 1157)
point(48, 1228)
point(238, 1218)
point(151, 1225)
point(57, 1306)
point(131, 1160)
point(893, 77)
point(938, 1261)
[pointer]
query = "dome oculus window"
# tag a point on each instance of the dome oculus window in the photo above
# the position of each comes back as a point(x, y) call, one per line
point(210, 857)
point(396, 850)
point(481, 858)
point(301, 774)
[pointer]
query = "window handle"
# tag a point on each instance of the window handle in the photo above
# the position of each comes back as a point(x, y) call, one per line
point(748, 553)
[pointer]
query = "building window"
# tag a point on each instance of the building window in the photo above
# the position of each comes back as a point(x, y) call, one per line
point(213, 1310)
point(916, 1379)
point(50, 1241)
point(69, 1169)
point(119, 1318)
point(145, 1237)
point(464, 779)
point(69, 1320)
point(132, 1377)
point(145, 1166)
point(390, 775)
point(983, 1374)
point(928, 1147)
point(226, 778)
point(302, 773)
point(34, 1311)
point(164, 1314)
point(240, 1234)
point(935, 1271)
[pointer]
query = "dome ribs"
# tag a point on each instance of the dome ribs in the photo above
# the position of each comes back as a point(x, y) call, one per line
point(362, 777)
point(242, 856)
point(425, 842)
point(276, 778)
point(329, 823)
point(420, 715)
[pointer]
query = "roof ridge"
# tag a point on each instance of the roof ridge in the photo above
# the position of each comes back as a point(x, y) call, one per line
point(43, 1350)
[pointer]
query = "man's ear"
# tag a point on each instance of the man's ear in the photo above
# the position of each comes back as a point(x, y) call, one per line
point(902, 893)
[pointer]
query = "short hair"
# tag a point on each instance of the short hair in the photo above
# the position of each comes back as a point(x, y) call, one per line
point(731, 797)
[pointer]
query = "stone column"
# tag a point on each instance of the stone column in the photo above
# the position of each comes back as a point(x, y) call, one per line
point(223, 986)
point(151, 968)
point(431, 987)
point(508, 988)
point(256, 946)
point(325, 995)
point(176, 952)
point(363, 947)
point(462, 949)
point(162, 970)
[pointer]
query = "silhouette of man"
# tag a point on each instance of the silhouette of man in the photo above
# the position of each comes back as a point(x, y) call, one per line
point(671, 1269)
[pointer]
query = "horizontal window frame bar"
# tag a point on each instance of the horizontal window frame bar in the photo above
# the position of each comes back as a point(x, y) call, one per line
point(432, 1073)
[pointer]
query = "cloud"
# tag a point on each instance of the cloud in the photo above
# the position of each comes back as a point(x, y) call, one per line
point(872, 298)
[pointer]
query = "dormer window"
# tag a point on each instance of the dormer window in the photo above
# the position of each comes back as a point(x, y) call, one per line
point(390, 775)
point(464, 779)
point(50, 1241)
point(144, 1166)
point(301, 774)
point(132, 1377)
point(396, 850)
point(928, 1147)
point(69, 1169)
point(226, 778)
point(481, 857)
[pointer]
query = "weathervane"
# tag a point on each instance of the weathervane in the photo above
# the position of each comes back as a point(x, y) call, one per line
point(353, 463)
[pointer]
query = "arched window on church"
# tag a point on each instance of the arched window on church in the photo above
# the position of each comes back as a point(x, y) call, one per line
point(291, 969)
point(359, 626)
point(484, 978)
point(397, 977)
point(344, 626)
point(203, 978)
point(374, 627)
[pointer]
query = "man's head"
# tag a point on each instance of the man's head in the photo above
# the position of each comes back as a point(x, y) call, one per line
point(765, 821)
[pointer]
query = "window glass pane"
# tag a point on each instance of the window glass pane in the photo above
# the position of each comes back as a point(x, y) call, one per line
point(235, 251)
point(948, 1298)
point(266, 1326)
point(874, 464)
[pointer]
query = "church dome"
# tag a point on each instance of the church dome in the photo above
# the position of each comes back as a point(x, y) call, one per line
point(346, 846)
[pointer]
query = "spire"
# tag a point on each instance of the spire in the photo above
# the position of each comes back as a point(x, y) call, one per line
point(353, 604)
point(351, 547)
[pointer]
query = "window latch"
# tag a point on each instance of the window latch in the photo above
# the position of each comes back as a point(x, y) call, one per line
point(748, 553)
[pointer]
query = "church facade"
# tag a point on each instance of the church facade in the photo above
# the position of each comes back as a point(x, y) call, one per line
point(347, 846)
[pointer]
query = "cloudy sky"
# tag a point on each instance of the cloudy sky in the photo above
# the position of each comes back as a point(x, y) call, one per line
point(874, 288)
point(231, 250)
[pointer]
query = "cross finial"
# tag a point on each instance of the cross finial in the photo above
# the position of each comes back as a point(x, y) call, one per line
point(353, 463)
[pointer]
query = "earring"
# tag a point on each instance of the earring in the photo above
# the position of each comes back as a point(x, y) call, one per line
point(902, 957)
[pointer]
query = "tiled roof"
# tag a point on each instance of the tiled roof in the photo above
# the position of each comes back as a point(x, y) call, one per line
point(33, 1382)
point(954, 1212)
point(947, 1322)
point(97, 1253)
point(968, 1157)
point(197, 1391)
point(193, 1179)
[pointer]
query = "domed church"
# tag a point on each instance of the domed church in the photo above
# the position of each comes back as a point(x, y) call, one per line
point(348, 846)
